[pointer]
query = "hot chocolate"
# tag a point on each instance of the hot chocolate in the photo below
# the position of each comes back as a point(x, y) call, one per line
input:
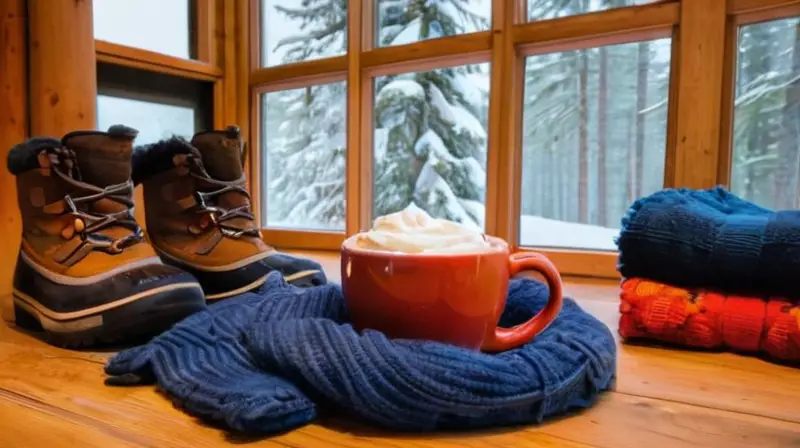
point(416, 277)
point(412, 230)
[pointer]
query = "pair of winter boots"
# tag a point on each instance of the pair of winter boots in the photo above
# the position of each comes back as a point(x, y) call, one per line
point(86, 274)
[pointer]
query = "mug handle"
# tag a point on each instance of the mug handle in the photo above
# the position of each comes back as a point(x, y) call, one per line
point(508, 338)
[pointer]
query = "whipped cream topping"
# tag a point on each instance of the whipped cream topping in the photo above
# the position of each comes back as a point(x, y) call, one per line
point(412, 230)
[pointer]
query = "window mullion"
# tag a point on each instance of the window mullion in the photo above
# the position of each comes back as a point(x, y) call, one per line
point(359, 148)
point(699, 96)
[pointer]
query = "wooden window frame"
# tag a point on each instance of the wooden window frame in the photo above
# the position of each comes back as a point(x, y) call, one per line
point(742, 13)
point(220, 37)
point(221, 40)
point(697, 152)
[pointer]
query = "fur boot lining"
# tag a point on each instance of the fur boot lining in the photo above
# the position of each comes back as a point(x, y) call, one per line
point(23, 156)
point(149, 160)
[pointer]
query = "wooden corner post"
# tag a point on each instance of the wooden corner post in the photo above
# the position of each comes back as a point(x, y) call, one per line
point(63, 74)
point(13, 129)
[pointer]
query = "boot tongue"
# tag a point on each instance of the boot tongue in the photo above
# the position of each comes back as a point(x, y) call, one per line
point(221, 152)
point(104, 158)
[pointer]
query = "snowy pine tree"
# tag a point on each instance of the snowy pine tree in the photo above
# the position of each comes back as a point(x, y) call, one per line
point(430, 145)
point(307, 159)
point(322, 29)
point(306, 127)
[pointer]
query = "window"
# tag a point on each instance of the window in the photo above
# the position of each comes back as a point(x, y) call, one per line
point(550, 9)
point(543, 131)
point(158, 106)
point(408, 21)
point(161, 92)
point(154, 121)
point(593, 140)
point(163, 26)
point(304, 156)
point(296, 31)
point(430, 136)
point(766, 128)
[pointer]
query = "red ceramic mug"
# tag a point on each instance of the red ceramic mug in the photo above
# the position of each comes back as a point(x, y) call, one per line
point(453, 298)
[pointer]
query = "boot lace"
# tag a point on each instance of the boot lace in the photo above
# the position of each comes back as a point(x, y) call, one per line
point(87, 223)
point(213, 215)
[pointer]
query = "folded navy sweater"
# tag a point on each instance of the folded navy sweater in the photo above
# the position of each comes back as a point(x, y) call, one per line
point(711, 239)
point(260, 363)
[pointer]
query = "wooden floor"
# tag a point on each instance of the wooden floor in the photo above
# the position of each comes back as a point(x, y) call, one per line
point(663, 398)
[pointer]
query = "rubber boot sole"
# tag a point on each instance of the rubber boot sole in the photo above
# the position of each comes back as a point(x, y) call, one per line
point(288, 278)
point(132, 318)
point(246, 275)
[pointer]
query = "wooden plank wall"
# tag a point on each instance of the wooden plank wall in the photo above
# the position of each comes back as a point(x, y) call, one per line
point(63, 79)
point(13, 127)
point(56, 90)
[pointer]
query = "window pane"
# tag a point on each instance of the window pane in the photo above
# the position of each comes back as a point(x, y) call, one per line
point(594, 138)
point(304, 137)
point(766, 140)
point(551, 9)
point(164, 26)
point(408, 21)
point(154, 121)
point(430, 143)
point(302, 30)
point(157, 105)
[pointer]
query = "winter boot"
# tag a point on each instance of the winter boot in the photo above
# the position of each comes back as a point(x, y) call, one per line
point(84, 273)
point(199, 217)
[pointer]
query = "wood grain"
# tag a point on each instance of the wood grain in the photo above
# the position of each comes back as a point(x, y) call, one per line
point(357, 184)
point(63, 75)
point(496, 122)
point(34, 423)
point(13, 129)
point(603, 23)
point(306, 72)
point(155, 62)
point(402, 58)
point(204, 30)
point(744, 384)
point(746, 6)
point(699, 98)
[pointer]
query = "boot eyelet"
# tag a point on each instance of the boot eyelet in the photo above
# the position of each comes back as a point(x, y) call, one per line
point(194, 230)
point(79, 225)
point(114, 248)
point(67, 233)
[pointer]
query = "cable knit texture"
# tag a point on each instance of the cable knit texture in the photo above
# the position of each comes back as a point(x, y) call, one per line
point(706, 319)
point(711, 239)
point(260, 362)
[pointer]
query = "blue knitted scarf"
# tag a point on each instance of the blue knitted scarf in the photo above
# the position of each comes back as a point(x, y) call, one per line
point(711, 239)
point(259, 362)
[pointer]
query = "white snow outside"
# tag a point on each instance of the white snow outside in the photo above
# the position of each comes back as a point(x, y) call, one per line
point(124, 23)
point(465, 121)
point(536, 231)
point(154, 121)
point(474, 86)
point(277, 28)
point(407, 87)
point(410, 34)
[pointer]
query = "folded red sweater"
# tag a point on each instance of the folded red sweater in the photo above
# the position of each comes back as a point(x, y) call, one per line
point(697, 318)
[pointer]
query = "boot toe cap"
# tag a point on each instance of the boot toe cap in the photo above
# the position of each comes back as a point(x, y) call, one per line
point(62, 294)
point(297, 271)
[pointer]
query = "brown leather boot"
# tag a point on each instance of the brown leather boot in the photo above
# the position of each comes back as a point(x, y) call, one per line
point(199, 217)
point(84, 273)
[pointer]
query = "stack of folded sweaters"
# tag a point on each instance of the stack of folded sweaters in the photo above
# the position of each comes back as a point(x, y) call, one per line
point(707, 269)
